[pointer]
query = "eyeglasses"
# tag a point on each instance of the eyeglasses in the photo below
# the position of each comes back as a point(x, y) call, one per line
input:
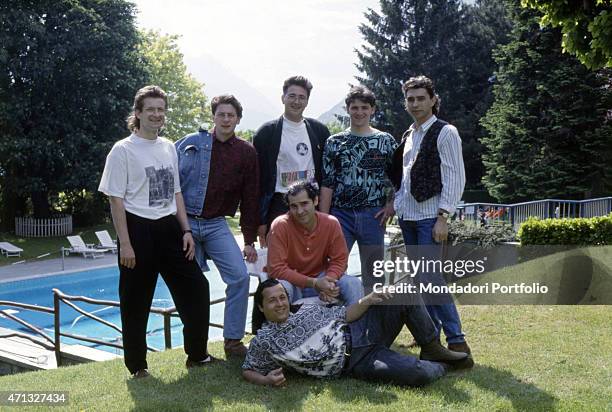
point(295, 97)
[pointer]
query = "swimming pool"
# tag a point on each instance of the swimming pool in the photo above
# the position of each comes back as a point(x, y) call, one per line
point(102, 284)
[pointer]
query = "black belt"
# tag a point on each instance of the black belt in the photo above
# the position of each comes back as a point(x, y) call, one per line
point(347, 348)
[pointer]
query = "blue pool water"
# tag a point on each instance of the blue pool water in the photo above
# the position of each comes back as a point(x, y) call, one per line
point(102, 284)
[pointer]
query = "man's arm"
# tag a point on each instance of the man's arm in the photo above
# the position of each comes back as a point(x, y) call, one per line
point(325, 199)
point(356, 310)
point(259, 142)
point(278, 266)
point(181, 216)
point(249, 204)
point(453, 177)
point(329, 176)
point(337, 251)
point(127, 257)
point(273, 378)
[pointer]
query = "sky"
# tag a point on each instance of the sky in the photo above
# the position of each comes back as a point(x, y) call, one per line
point(249, 47)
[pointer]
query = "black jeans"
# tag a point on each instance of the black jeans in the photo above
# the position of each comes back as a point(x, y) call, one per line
point(158, 246)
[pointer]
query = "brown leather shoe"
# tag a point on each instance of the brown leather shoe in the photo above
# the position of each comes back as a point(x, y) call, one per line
point(139, 374)
point(459, 347)
point(234, 347)
point(197, 364)
point(434, 351)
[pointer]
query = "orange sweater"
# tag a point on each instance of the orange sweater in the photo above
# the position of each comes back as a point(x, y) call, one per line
point(297, 256)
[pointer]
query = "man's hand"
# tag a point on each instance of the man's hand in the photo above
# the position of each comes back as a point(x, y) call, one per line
point(440, 230)
point(250, 253)
point(276, 377)
point(261, 234)
point(385, 214)
point(188, 246)
point(327, 286)
point(127, 257)
point(374, 298)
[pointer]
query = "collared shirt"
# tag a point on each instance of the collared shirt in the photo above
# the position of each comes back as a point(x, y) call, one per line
point(297, 255)
point(451, 167)
point(311, 342)
point(355, 168)
point(233, 179)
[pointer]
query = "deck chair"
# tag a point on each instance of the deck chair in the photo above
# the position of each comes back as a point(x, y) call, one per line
point(8, 249)
point(78, 246)
point(106, 242)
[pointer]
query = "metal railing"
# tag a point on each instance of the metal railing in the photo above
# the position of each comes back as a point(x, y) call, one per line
point(54, 344)
point(517, 213)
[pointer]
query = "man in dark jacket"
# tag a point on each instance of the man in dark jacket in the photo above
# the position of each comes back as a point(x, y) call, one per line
point(289, 149)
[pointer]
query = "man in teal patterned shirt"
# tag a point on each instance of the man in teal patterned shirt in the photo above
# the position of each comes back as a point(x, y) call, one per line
point(356, 188)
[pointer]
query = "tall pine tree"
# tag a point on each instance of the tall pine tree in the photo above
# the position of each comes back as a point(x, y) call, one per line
point(448, 41)
point(547, 127)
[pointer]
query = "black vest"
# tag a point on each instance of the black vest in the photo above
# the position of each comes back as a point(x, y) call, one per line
point(425, 175)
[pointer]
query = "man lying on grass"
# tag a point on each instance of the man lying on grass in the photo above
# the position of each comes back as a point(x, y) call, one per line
point(338, 341)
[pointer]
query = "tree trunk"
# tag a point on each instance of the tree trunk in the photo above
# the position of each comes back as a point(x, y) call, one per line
point(12, 205)
point(40, 204)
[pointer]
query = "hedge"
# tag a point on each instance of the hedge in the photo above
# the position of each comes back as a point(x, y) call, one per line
point(580, 231)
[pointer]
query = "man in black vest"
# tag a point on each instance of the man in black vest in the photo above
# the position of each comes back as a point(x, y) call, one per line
point(429, 177)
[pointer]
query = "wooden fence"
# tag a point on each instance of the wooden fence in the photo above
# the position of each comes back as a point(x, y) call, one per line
point(33, 227)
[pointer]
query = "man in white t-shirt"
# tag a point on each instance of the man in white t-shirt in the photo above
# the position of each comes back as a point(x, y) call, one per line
point(142, 181)
point(289, 149)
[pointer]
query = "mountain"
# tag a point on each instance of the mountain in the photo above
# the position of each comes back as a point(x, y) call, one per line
point(219, 79)
point(330, 115)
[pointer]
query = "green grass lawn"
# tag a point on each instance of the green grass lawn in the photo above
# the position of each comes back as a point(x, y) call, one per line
point(528, 358)
point(34, 247)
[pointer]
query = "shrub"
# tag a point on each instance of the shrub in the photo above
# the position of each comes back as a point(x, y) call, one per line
point(462, 231)
point(484, 236)
point(580, 231)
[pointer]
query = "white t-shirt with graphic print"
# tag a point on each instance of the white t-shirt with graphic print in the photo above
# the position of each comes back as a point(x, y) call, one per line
point(294, 160)
point(144, 173)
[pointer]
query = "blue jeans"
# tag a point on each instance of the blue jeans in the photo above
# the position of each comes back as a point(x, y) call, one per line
point(214, 240)
point(361, 226)
point(351, 289)
point(372, 335)
point(445, 316)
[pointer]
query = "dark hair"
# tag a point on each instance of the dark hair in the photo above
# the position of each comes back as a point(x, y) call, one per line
point(422, 82)
point(311, 188)
point(133, 122)
point(298, 81)
point(257, 317)
point(360, 93)
point(226, 99)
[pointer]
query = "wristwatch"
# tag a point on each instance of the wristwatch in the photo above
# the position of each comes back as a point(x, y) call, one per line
point(187, 231)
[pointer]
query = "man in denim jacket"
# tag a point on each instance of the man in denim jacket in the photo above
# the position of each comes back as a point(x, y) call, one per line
point(218, 171)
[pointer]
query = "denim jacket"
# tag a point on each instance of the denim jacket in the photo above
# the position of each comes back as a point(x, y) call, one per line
point(194, 153)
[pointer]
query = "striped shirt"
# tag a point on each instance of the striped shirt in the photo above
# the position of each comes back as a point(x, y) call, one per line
point(451, 167)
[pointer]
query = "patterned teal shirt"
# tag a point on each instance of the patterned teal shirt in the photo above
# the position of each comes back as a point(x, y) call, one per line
point(355, 168)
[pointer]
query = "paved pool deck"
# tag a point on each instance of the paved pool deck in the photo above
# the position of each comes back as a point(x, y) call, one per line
point(73, 263)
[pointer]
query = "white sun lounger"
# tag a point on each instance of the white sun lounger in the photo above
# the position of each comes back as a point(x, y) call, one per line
point(106, 241)
point(8, 249)
point(77, 245)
